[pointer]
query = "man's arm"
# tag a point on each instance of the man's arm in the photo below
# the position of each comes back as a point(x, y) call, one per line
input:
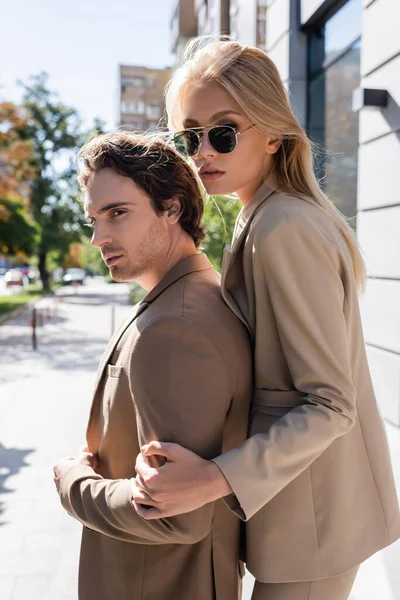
point(180, 388)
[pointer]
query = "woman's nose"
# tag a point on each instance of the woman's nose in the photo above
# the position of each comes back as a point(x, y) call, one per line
point(205, 149)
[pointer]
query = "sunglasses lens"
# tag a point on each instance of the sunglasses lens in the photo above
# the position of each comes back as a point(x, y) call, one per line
point(186, 142)
point(222, 139)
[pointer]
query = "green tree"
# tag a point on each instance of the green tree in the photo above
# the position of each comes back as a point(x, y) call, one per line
point(17, 231)
point(54, 131)
point(219, 221)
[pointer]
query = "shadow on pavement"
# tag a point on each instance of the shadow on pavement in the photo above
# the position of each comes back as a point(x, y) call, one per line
point(75, 354)
point(12, 460)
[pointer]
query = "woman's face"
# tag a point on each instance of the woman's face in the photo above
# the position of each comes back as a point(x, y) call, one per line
point(241, 171)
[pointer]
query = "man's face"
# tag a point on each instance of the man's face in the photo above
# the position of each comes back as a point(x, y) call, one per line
point(132, 238)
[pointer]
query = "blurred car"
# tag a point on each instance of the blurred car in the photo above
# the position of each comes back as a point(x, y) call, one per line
point(28, 271)
point(15, 278)
point(74, 276)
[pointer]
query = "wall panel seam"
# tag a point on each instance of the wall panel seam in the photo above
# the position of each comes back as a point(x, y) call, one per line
point(379, 137)
point(278, 40)
point(382, 64)
point(376, 347)
point(381, 207)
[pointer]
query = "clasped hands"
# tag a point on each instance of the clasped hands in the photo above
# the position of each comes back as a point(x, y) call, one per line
point(172, 480)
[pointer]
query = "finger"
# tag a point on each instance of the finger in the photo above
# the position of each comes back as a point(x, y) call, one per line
point(140, 496)
point(141, 484)
point(142, 468)
point(166, 449)
point(83, 448)
point(147, 513)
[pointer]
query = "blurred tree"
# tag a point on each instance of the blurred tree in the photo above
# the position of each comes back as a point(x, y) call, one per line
point(90, 257)
point(219, 221)
point(55, 133)
point(17, 231)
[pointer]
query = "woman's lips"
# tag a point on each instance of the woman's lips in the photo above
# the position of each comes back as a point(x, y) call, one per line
point(211, 175)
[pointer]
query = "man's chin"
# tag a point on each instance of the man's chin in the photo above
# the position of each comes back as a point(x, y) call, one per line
point(118, 275)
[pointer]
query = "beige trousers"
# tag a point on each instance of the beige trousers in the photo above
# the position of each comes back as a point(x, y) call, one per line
point(334, 588)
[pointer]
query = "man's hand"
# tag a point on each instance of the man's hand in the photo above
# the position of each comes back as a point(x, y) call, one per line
point(65, 464)
point(184, 483)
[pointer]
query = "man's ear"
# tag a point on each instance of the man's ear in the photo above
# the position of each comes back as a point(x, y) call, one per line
point(173, 211)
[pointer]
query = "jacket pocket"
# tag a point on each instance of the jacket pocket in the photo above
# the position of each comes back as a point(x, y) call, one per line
point(114, 370)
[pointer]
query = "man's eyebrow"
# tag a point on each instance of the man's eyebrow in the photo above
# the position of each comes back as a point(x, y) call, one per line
point(110, 206)
point(222, 113)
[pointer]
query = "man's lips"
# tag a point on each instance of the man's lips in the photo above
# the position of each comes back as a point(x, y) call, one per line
point(111, 260)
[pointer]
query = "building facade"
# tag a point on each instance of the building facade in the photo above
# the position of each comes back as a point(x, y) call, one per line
point(141, 103)
point(332, 55)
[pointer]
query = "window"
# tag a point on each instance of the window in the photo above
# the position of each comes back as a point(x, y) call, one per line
point(333, 74)
point(136, 82)
point(133, 125)
point(153, 111)
point(132, 108)
point(261, 29)
point(151, 82)
point(152, 125)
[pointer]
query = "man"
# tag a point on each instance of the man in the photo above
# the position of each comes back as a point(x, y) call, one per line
point(178, 368)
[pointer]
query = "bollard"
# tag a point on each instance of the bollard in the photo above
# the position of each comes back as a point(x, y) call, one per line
point(33, 325)
point(112, 319)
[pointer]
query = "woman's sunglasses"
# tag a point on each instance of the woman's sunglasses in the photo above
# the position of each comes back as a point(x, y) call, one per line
point(223, 138)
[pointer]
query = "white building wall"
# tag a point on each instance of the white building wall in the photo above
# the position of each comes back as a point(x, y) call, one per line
point(378, 169)
point(246, 21)
point(379, 201)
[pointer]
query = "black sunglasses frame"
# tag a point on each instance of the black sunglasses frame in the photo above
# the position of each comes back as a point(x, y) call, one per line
point(199, 131)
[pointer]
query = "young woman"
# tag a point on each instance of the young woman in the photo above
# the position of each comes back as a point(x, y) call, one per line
point(313, 481)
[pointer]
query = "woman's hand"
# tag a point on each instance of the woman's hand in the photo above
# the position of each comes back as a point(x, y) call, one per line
point(184, 483)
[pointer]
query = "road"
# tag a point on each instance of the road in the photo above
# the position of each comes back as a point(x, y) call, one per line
point(44, 403)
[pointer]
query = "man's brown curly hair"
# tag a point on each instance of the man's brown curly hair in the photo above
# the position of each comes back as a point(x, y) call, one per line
point(154, 166)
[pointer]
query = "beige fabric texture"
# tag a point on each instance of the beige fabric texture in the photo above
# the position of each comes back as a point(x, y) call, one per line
point(179, 370)
point(314, 479)
point(333, 588)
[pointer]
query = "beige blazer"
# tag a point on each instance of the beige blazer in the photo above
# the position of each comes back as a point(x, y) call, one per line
point(178, 369)
point(314, 479)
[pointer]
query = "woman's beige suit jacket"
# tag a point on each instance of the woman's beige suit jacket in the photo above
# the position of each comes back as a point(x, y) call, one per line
point(314, 479)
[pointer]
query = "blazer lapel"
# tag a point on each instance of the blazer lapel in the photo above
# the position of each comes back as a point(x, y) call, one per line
point(116, 337)
point(232, 269)
point(196, 262)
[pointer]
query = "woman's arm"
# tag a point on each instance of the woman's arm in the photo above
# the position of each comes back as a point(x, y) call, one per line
point(303, 273)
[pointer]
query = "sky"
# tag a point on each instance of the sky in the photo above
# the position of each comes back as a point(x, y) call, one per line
point(80, 44)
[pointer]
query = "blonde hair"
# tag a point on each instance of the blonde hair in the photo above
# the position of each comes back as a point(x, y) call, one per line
point(253, 81)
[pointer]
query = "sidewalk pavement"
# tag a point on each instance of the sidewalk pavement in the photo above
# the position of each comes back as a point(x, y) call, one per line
point(44, 403)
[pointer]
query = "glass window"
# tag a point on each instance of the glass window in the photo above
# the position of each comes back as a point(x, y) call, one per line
point(334, 37)
point(137, 82)
point(133, 108)
point(132, 125)
point(153, 111)
point(334, 72)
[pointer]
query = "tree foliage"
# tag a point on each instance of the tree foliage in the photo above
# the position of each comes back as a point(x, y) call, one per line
point(219, 221)
point(17, 230)
point(54, 132)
